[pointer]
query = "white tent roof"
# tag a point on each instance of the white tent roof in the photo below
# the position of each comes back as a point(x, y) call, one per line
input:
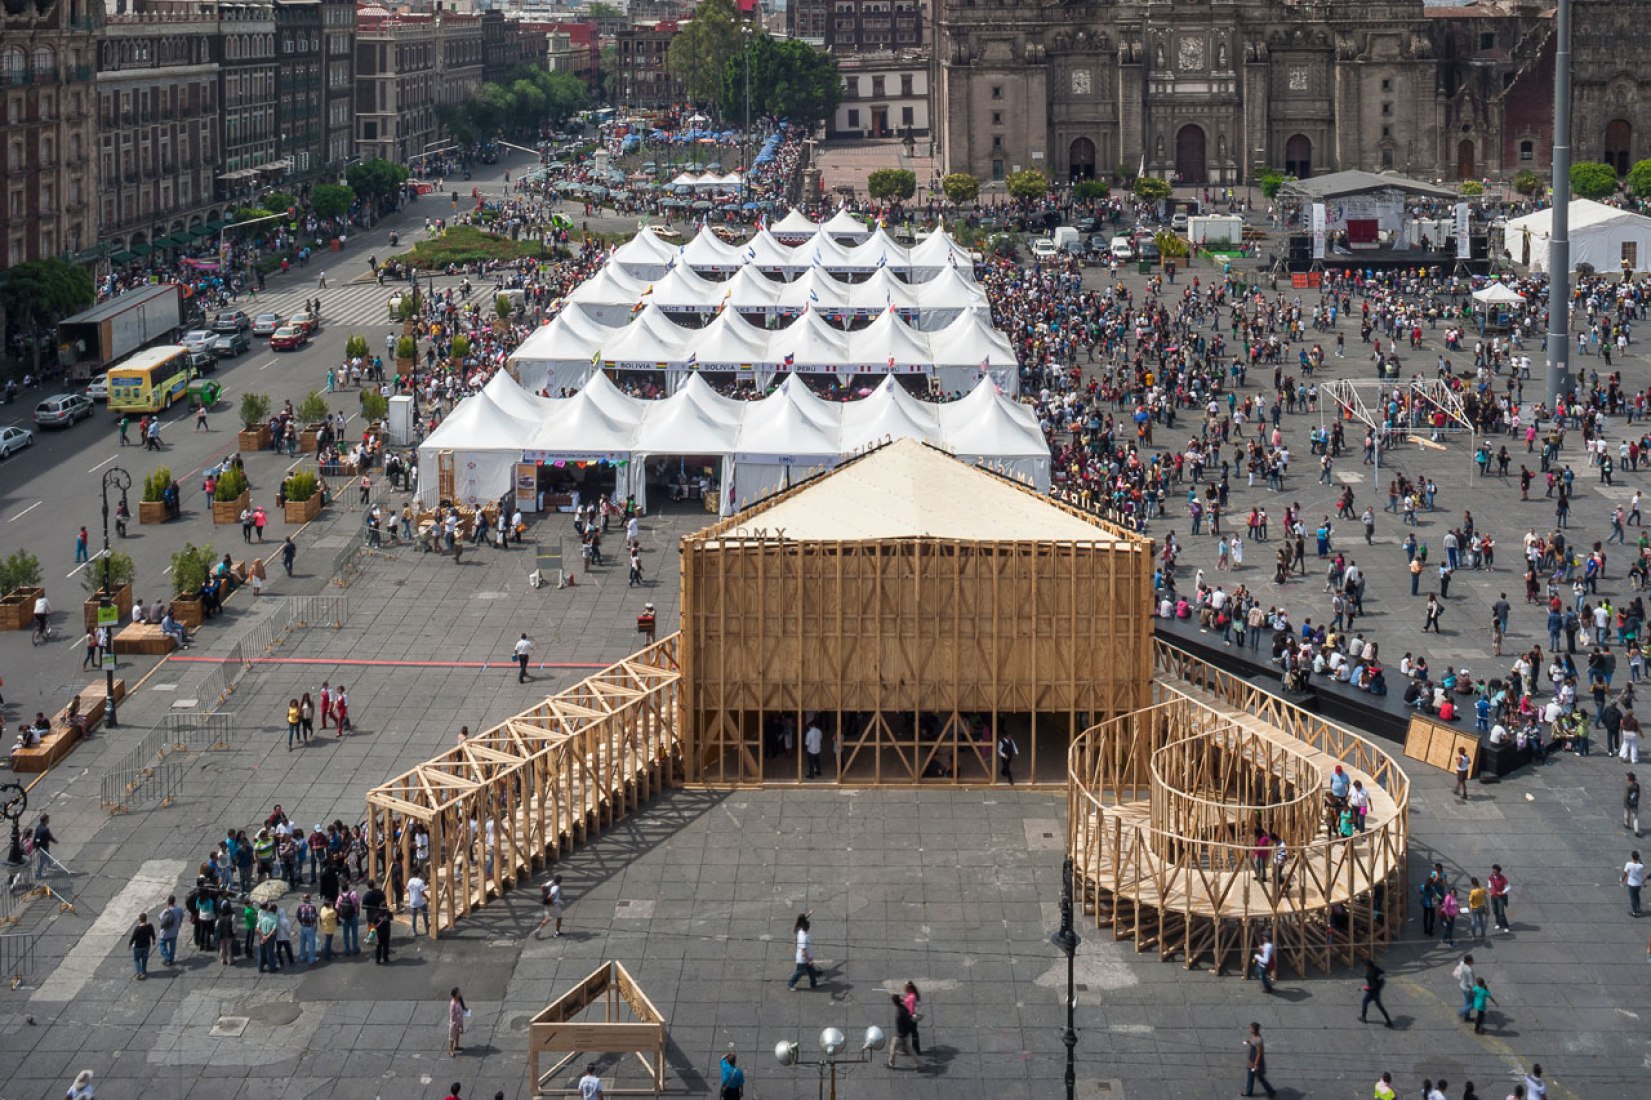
point(888, 338)
point(709, 402)
point(968, 340)
point(809, 340)
point(477, 424)
point(1600, 237)
point(1498, 294)
point(572, 336)
point(689, 422)
point(505, 392)
point(821, 251)
point(749, 288)
point(1584, 214)
point(907, 490)
point(612, 284)
point(580, 425)
point(730, 341)
point(889, 413)
point(985, 424)
point(950, 290)
point(844, 224)
point(764, 250)
point(795, 224)
point(649, 339)
point(813, 289)
point(614, 402)
point(646, 248)
point(708, 251)
point(877, 249)
point(684, 288)
point(939, 250)
point(785, 424)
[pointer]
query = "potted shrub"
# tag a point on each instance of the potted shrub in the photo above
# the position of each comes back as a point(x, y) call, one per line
point(501, 311)
point(356, 347)
point(461, 348)
point(231, 496)
point(190, 568)
point(312, 413)
point(303, 496)
point(406, 352)
point(255, 435)
point(152, 508)
point(374, 406)
point(19, 588)
point(120, 571)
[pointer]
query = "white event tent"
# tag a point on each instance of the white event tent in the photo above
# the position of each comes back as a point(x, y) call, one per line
point(1601, 236)
point(759, 446)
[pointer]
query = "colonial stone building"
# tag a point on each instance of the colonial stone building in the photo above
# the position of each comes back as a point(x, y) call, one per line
point(1205, 91)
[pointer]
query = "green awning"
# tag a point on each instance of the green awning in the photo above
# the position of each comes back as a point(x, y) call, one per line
point(142, 249)
point(213, 227)
point(199, 231)
point(173, 241)
point(123, 257)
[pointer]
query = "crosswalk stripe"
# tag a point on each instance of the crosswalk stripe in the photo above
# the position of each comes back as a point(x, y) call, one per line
point(352, 303)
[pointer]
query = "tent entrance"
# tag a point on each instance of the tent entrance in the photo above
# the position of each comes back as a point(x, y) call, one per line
point(563, 484)
point(684, 483)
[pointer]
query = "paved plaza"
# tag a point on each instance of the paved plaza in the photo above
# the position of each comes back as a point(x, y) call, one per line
point(955, 890)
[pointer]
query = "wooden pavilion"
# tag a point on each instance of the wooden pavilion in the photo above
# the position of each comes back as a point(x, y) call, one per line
point(914, 607)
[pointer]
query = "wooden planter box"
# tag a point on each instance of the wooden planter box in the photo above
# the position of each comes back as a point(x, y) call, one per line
point(229, 511)
point(404, 366)
point(302, 511)
point(253, 439)
point(309, 439)
point(123, 603)
point(17, 608)
point(151, 511)
point(190, 612)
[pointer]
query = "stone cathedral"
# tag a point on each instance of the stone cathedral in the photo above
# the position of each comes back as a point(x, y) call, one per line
point(1205, 91)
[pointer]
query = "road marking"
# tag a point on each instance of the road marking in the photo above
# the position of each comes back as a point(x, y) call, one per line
point(155, 879)
point(349, 661)
point(102, 464)
point(96, 557)
point(269, 364)
point(25, 511)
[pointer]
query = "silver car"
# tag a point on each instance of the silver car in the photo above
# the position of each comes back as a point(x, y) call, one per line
point(14, 439)
point(62, 409)
point(198, 339)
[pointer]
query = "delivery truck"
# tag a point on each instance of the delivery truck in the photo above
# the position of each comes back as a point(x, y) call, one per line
point(93, 341)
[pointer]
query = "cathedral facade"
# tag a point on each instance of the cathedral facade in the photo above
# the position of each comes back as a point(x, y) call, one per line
point(1205, 92)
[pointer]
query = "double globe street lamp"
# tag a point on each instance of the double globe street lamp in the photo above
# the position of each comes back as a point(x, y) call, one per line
point(832, 1044)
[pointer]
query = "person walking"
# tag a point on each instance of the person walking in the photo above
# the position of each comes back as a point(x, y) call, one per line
point(1498, 885)
point(289, 551)
point(90, 642)
point(1007, 750)
point(1633, 877)
point(1631, 805)
point(1374, 980)
point(1433, 611)
point(81, 552)
point(733, 1078)
point(805, 953)
point(813, 742)
point(590, 1085)
point(1264, 962)
point(1481, 998)
point(457, 1014)
point(141, 941)
point(43, 841)
point(200, 418)
point(341, 709)
point(1449, 909)
point(552, 899)
point(522, 650)
point(171, 923)
point(418, 902)
point(904, 1029)
point(1465, 979)
point(294, 722)
point(1255, 1063)
point(306, 730)
point(1463, 765)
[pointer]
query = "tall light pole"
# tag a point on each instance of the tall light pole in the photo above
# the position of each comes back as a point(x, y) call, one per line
point(1066, 938)
point(832, 1042)
point(107, 614)
point(745, 135)
point(1559, 243)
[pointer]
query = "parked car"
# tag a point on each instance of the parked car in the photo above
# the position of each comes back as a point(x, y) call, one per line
point(62, 409)
point(1147, 250)
point(304, 319)
point(13, 440)
point(1179, 223)
point(232, 320)
point(197, 339)
point(265, 324)
point(230, 344)
point(288, 338)
point(1044, 249)
point(98, 388)
point(1089, 224)
point(1120, 249)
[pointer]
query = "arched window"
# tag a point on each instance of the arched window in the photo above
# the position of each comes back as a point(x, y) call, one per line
point(13, 63)
point(1298, 157)
point(1619, 137)
point(45, 62)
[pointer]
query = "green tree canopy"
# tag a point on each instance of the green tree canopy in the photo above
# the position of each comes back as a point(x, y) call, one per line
point(331, 200)
point(1270, 180)
point(700, 52)
point(1151, 189)
point(1527, 182)
point(43, 292)
point(960, 187)
point(1592, 180)
point(1639, 179)
point(1471, 188)
point(279, 202)
point(1027, 184)
point(1090, 190)
point(789, 79)
point(891, 183)
point(377, 180)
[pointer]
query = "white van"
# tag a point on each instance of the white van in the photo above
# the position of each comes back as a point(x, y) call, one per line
point(1121, 249)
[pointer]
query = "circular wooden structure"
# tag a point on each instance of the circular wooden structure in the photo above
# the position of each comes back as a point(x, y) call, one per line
point(1163, 805)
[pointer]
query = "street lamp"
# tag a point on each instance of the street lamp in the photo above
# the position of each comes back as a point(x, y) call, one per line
point(745, 134)
point(832, 1042)
point(1067, 940)
point(107, 614)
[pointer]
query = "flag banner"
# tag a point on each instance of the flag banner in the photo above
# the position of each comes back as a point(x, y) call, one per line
point(1318, 231)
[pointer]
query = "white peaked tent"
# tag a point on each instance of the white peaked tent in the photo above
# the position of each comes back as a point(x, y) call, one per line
point(683, 290)
point(820, 250)
point(486, 443)
point(708, 252)
point(508, 395)
point(614, 402)
point(890, 413)
point(877, 251)
point(694, 421)
point(785, 437)
point(813, 289)
point(750, 291)
point(808, 343)
point(888, 344)
point(559, 355)
point(985, 428)
point(649, 342)
point(609, 294)
point(730, 342)
point(768, 253)
point(960, 349)
point(1600, 235)
point(644, 256)
point(928, 257)
point(794, 228)
point(845, 226)
point(1498, 294)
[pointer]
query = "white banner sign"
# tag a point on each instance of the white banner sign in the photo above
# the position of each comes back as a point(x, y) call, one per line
point(1318, 231)
point(1464, 238)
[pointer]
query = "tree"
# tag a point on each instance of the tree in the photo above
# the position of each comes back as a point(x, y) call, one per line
point(40, 293)
point(459, 120)
point(1270, 180)
point(1527, 182)
point(254, 411)
point(1639, 179)
point(701, 50)
point(331, 200)
point(1151, 189)
point(377, 180)
point(960, 187)
point(20, 569)
point(313, 409)
point(789, 79)
point(891, 183)
point(1592, 180)
point(279, 202)
point(1091, 190)
point(601, 10)
point(1027, 184)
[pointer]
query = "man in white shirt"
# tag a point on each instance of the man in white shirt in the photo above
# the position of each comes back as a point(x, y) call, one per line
point(813, 741)
point(418, 902)
point(1633, 877)
point(590, 1085)
point(521, 651)
point(1262, 963)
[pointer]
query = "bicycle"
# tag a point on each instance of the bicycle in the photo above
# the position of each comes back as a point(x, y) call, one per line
point(42, 633)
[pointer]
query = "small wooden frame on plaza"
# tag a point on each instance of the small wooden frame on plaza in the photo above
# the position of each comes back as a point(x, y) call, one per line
point(559, 1030)
point(879, 600)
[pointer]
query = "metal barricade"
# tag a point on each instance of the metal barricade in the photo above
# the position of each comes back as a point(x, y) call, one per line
point(17, 957)
point(124, 789)
point(19, 888)
point(313, 611)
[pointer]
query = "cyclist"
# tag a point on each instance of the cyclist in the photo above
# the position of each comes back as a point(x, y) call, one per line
point(42, 608)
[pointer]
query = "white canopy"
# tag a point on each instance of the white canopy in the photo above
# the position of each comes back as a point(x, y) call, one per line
point(1601, 236)
point(730, 342)
point(651, 341)
point(558, 355)
point(684, 290)
point(645, 255)
point(1498, 294)
point(767, 252)
point(609, 294)
point(708, 252)
point(845, 226)
point(890, 413)
point(486, 443)
point(794, 227)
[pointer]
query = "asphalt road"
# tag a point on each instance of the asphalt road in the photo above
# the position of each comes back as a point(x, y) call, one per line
point(50, 490)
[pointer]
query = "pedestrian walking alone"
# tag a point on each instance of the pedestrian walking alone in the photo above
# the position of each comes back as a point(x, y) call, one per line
point(289, 551)
point(1631, 805)
point(142, 941)
point(1633, 877)
point(1007, 750)
point(904, 1029)
point(1465, 979)
point(1481, 998)
point(521, 652)
point(457, 1014)
point(1374, 979)
point(805, 953)
point(552, 899)
point(1255, 1063)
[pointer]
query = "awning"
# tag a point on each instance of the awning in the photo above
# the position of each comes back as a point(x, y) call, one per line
point(142, 249)
point(199, 231)
point(238, 174)
point(123, 257)
point(174, 241)
point(275, 165)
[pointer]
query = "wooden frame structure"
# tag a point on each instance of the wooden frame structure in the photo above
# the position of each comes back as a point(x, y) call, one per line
point(1162, 804)
point(502, 804)
point(558, 1030)
point(914, 652)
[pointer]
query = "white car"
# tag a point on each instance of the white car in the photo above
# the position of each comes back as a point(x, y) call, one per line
point(1044, 249)
point(1179, 223)
point(199, 339)
point(1121, 249)
point(98, 388)
point(14, 439)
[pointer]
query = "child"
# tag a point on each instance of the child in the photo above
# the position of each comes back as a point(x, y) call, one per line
point(553, 907)
point(1481, 996)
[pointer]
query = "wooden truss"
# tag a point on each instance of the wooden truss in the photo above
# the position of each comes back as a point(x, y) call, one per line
point(1162, 808)
point(559, 1030)
point(913, 653)
point(502, 804)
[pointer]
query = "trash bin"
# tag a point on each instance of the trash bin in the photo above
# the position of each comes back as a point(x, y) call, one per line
point(1144, 267)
